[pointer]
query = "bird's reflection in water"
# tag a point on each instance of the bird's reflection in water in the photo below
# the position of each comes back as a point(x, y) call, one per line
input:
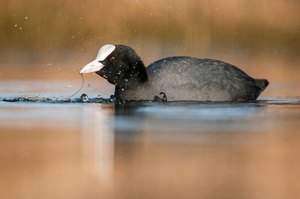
point(172, 149)
point(184, 121)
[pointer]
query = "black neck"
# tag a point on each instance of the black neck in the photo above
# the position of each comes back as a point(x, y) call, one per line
point(137, 72)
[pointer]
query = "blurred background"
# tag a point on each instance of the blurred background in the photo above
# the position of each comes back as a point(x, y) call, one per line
point(54, 39)
point(92, 150)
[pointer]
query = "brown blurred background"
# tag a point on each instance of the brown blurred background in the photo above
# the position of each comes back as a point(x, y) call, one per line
point(75, 151)
point(53, 39)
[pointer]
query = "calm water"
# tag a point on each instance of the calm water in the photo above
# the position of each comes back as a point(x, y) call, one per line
point(147, 150)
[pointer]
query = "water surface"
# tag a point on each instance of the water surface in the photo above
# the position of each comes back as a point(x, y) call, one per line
point(75, 150)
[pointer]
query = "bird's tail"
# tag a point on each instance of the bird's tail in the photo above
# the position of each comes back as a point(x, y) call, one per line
point(261, 84)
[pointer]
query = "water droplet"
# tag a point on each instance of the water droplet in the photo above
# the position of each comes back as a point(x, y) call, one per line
point(16, 25)
point(26, 17)
point(112, 98)
point(69, 85)
point(84, 97)
point(20, 93)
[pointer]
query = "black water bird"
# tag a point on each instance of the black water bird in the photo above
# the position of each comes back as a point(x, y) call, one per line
point(179, 77)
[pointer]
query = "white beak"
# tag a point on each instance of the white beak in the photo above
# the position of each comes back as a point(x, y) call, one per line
point(93, 66)
point(96, 65)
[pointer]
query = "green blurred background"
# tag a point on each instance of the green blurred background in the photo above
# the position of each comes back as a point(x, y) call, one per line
point(53, 39)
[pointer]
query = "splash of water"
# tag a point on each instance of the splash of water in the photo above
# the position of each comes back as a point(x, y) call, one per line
point(82, 84)
point(84, 97)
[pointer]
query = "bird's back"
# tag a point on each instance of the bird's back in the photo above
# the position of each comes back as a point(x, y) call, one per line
point(186, 78)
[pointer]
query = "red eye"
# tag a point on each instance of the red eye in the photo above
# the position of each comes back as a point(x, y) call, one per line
point(112, 58)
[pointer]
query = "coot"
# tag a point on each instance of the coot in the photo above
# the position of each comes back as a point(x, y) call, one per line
point(178, 78)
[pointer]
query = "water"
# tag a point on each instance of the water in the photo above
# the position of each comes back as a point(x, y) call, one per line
point(84, 148)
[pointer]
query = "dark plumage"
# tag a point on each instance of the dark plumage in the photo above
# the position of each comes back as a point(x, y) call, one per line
point(179, 78)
